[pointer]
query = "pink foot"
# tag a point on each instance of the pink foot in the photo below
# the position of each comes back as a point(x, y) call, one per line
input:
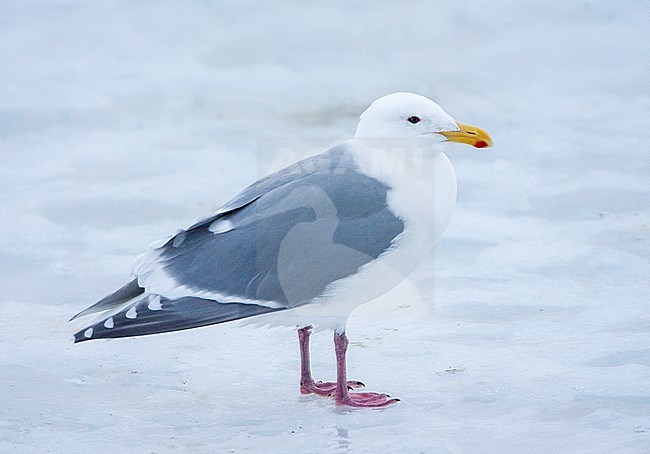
point(326, 388)
point(372, 400)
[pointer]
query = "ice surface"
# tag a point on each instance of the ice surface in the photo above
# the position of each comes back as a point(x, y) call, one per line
point(527, 331)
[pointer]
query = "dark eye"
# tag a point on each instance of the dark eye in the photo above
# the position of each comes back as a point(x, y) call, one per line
point(413, 119)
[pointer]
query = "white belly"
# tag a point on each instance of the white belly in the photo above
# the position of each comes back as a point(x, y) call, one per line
point(424, 198)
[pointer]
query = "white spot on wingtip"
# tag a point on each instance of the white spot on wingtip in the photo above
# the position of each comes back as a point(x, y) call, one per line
point(131, 313)
point(109, 323)
point(221, 226)
point(88, 333)
point(154, 304)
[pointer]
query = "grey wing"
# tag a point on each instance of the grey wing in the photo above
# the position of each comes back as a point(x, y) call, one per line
point(283, 248)
point(275, 247)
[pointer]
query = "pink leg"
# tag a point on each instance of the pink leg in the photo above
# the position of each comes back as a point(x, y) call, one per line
point(307, 383)
point(342, 396)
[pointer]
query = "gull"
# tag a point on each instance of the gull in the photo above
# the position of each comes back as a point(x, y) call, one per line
point(306, 245)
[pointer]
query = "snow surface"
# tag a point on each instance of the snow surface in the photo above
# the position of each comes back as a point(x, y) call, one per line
point(527, 331)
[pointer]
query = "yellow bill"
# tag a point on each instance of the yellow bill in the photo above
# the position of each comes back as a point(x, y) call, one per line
point(471, 135)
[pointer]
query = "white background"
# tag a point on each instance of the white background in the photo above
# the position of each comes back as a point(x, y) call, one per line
point(527, 331)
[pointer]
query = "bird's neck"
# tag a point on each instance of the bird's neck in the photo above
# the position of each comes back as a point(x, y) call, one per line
point(421, 179)
point(400, 163)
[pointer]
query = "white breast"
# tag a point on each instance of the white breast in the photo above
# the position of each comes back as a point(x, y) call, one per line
point(423, 195)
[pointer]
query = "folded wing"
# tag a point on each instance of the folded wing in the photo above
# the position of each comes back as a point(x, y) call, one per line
point(276, 246)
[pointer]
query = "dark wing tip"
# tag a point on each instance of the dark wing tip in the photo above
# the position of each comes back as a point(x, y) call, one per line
point(172, 315)
point(120, 296)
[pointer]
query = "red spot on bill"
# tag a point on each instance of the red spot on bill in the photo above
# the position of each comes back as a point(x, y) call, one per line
point(481, 144)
